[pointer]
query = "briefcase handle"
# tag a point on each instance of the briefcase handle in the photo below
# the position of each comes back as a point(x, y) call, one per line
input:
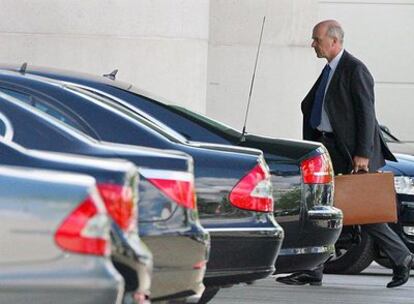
point(359, 172)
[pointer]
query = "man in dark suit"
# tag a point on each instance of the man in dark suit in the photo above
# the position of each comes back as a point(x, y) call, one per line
point(339, 112)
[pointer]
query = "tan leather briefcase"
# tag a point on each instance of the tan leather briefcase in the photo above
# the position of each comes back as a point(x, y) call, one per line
point(366, 198)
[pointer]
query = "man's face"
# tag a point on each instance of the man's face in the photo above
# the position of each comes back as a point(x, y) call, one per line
point(322, 43)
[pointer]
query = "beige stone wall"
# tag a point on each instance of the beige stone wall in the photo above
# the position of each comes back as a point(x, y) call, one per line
point(381, 33)
point(286, 67)
point(161, 46)
point(200, 53)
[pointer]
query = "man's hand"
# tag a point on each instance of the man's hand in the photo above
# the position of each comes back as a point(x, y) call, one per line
point(360, 163)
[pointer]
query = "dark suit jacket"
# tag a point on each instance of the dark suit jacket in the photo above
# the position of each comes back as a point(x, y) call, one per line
point(349, 102)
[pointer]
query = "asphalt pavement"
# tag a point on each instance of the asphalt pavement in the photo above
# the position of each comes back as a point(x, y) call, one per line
point(366, 288)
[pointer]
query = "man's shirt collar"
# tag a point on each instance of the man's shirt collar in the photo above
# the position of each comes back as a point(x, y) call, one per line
point(333, 64)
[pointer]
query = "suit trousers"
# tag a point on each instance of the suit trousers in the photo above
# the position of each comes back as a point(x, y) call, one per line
point(384, 237)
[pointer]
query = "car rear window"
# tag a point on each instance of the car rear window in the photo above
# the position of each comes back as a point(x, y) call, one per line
point(42, 106)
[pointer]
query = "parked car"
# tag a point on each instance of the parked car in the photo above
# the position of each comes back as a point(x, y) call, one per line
point(167, 214)
point(117, 183)
point(404, 185)
point(301, 173)
point(55, 240)
point(356, 251)
point(233, 187)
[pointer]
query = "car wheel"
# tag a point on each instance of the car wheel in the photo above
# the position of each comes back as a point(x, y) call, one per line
point(208, 294)
point(352, 258)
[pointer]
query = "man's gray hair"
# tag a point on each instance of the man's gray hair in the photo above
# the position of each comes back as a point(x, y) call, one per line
point(336, 31)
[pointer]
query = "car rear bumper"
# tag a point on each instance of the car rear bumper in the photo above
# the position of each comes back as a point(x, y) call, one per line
point(242, 254)
point(179, 263)
point(315, 241)
point(70, 278)
point(133, 260)
point(176, 284)
point(296, 259)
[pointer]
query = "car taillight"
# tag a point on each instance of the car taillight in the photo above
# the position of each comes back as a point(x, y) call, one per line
point(86, 229)
point(254, 191)
point(121, 205)
point(178, 186)
point(317, 170)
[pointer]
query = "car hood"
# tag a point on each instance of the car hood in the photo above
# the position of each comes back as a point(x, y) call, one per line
point(404, 166)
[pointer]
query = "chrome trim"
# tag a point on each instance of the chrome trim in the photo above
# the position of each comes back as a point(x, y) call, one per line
point(326, 213)
point(240, 229)
point(323, 212)
point(409, 230)
point(9, 132)
point(408, 204)
point(75, 89)
point(166, 174)
point(57, 123)
point(307, 250)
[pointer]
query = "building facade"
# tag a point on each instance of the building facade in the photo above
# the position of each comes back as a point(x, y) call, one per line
point(201, 53)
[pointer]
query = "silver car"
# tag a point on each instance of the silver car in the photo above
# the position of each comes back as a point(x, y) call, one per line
point(54, 234)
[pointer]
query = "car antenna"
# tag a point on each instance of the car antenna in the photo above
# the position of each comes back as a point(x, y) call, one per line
point(111, 75)
point(23, 68)
point(242, 138)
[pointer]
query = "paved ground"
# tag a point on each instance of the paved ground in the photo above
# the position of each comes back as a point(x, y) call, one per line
point(367, 288)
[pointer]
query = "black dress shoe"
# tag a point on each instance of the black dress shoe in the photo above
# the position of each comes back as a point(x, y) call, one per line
point(401, 273)
point(300, 278)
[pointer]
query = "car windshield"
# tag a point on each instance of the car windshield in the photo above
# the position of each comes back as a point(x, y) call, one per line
point(212, 123)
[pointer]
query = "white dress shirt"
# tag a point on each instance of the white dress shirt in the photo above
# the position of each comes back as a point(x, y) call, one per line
point(325, 125)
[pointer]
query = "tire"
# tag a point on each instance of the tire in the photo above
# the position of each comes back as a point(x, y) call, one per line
point(352, 258)
point(208, 294)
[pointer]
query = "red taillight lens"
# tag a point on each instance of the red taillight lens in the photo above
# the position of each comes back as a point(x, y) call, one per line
point(317, 170)
point(178, 186)
point(121, 205)
point(254, 191)
point(86, 229)
point(181, 192)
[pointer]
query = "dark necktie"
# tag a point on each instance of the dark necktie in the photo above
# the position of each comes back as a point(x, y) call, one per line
point(315, 119)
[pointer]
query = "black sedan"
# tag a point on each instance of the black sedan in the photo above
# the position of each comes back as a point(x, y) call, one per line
point(167, 214)
point(233, 188)
point(301, 172)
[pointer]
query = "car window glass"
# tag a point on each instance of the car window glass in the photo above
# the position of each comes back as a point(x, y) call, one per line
point(6, 128)
point(163, 130)
point(20, 96)
point(42, 106)
point(2, 128)
point(214, 124)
